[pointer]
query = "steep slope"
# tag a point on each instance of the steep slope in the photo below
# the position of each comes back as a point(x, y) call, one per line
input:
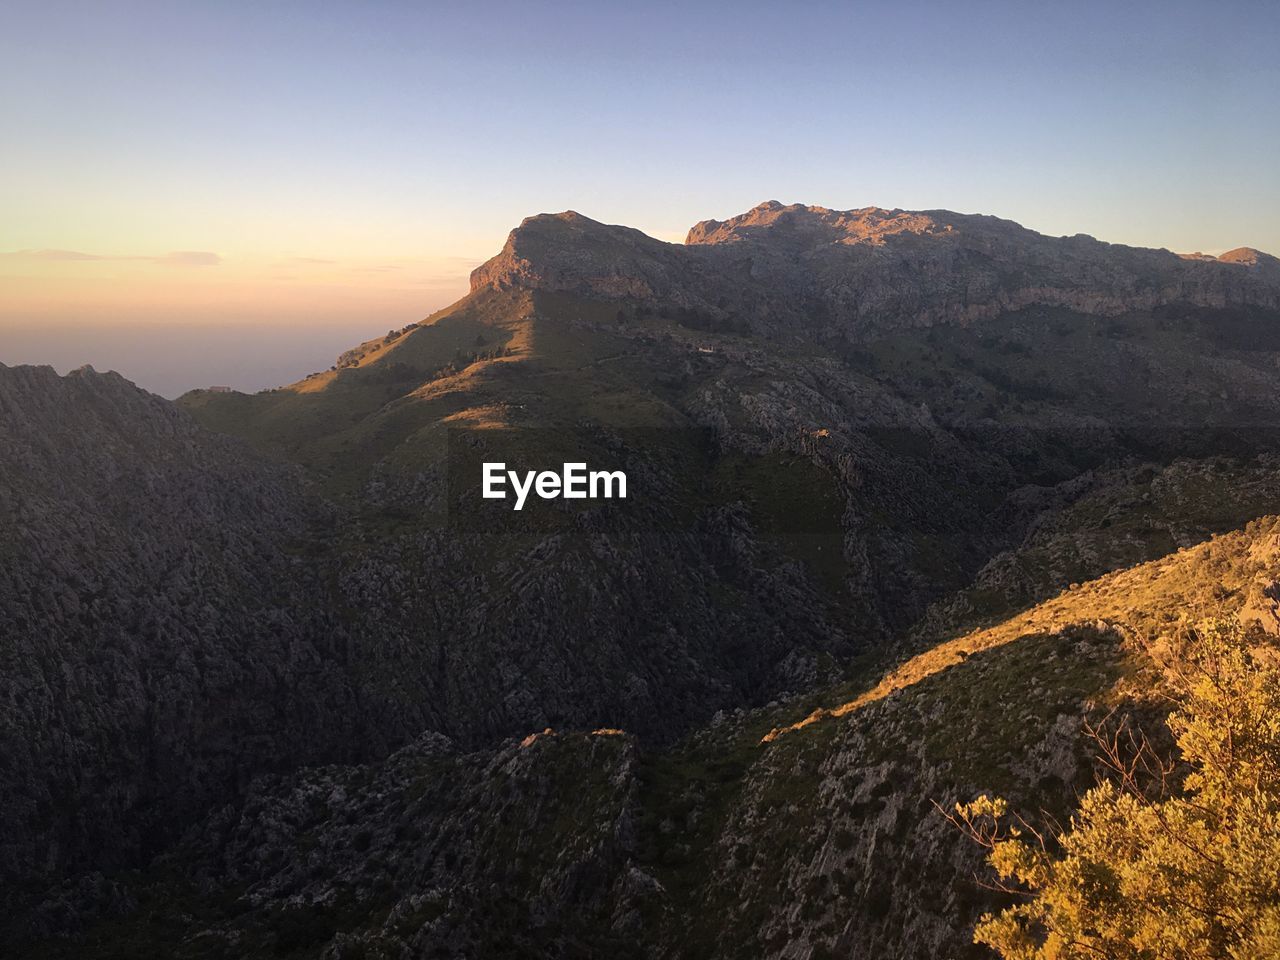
point(161, 639)
point(784, 832)
point(1105, 521)
point(850, 856)
point(823, 488)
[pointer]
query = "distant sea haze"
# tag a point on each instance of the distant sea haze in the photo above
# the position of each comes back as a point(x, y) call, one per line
point(172, 359)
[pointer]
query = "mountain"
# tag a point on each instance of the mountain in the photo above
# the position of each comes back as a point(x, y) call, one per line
point(812, 272)
point(908, 493)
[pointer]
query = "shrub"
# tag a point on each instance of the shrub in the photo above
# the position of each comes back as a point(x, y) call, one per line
point(1147, 871)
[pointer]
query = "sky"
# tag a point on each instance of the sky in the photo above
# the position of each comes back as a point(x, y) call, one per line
point(233, 192)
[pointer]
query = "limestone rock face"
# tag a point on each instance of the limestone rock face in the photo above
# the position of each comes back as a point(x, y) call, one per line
point(1252, 258)
point(570, 252)
point(803, 269)
point(1262, 606)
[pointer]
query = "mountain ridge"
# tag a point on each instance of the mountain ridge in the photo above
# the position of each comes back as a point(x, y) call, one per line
point(786, 269)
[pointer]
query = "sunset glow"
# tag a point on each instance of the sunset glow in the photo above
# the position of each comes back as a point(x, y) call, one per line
point(287, 166)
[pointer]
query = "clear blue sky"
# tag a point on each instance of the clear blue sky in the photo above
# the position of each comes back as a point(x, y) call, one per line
point(404, 139)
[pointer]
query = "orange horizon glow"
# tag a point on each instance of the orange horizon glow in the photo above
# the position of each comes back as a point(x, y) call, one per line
point(58, 286)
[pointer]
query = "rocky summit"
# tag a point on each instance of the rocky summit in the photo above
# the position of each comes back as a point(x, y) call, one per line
point(911, 496)
point(803, 270)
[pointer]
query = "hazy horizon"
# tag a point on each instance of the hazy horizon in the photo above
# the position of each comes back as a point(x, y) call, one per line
point(172, 359)
point(339, 169)
point(168, 351)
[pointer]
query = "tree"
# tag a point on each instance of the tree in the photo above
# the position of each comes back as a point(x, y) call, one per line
point(1145, 871)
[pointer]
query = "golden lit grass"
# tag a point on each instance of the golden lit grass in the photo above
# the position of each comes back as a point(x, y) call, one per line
point(494, 416)
point(434, 333)
point(370, 352)
point(1144, 601)
point(464, 379)
point(340, 422)
point(314, 383)
point(492, 359)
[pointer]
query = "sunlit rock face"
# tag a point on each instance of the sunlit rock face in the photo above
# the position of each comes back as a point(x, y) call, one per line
point(806, 270)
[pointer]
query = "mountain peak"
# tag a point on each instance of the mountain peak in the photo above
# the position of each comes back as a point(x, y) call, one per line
point(569, 251)
point(568, 217)
point(865, 224)
point(1249, 257)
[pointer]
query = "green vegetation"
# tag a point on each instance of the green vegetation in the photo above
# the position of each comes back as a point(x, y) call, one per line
point(342, 422)
point(1147, 870)
point(795, 502)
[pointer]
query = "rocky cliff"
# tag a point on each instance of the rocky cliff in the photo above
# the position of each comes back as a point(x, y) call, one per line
point(807, 270)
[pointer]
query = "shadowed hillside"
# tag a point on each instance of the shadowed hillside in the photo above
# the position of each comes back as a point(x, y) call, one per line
point(787, 831)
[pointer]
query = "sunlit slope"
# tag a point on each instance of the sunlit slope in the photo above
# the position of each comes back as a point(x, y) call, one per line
point(819, 837)
point(1104, 521)
point(339, 421)
point(777, 833)
point(494, 360)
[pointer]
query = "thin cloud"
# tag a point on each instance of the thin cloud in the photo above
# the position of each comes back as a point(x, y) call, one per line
point(190, 258)
point(51, 255)
point(444, 277)
point(179, 258)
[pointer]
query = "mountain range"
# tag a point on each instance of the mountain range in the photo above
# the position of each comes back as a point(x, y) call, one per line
point(912, 495)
